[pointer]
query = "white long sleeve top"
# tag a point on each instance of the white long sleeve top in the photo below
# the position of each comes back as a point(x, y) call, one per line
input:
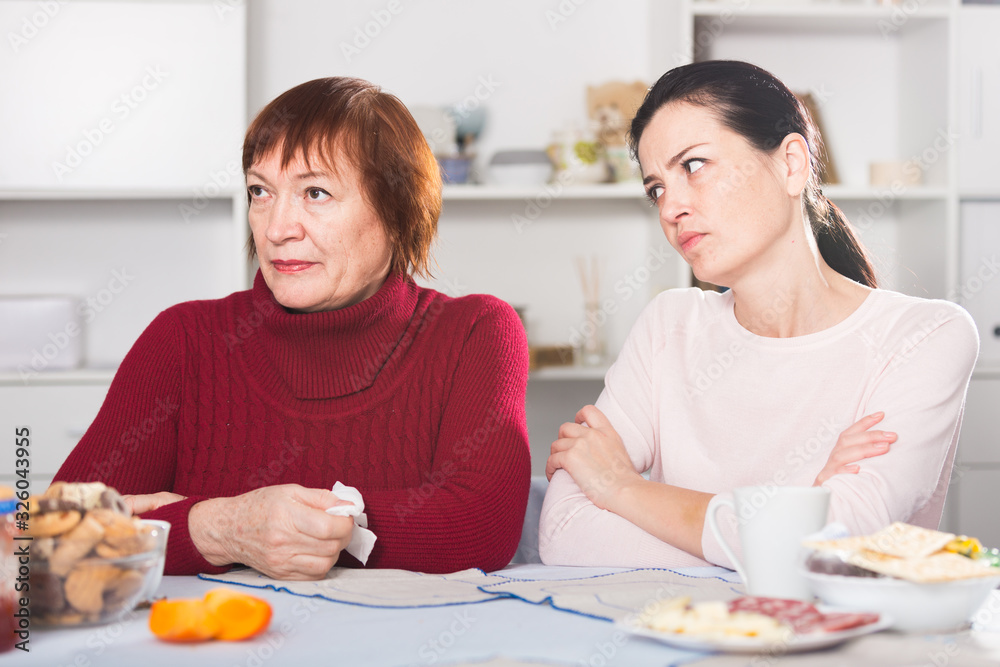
point(702, 403)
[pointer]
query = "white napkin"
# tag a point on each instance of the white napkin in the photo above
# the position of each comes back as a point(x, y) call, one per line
point(362, 539)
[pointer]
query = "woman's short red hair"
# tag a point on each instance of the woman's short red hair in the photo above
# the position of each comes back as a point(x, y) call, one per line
point(354, 120)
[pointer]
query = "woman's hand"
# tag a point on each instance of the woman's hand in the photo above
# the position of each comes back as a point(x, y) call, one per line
point(147, 502)
point(281, 531)
point(591, 451)
point(855, 443)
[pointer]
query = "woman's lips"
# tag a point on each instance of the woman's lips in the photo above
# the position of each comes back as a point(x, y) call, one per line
point(689, 240)
point(291, 265)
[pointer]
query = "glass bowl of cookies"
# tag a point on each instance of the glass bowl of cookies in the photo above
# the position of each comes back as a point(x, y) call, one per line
point(92, 562)
point(925, 580)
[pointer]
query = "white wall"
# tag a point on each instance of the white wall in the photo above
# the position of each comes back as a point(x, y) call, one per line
point(437, 52)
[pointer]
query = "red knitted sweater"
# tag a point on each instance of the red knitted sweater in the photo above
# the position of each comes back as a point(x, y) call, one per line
point(415, 398)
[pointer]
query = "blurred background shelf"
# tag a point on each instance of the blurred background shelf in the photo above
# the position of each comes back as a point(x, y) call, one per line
point(570, 373)
point(868, 193)
point(81, 376)
point(824, 16)
point(551, 192)
point(548, 191)
point(179, 194)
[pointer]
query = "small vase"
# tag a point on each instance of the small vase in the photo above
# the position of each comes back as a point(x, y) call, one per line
point(592, 347)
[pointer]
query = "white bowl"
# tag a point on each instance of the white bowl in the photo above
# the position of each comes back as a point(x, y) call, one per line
point(938, 607)
point(116, 585)
point(161, 530)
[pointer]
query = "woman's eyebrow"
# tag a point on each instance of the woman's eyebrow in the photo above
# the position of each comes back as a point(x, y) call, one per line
point(311, 174)
point(299, 177)
point(674, 160)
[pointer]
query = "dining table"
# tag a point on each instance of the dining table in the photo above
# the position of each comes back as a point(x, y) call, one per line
point(506, 631)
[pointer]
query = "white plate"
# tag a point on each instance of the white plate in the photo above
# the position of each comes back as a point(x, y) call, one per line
point(807, 642)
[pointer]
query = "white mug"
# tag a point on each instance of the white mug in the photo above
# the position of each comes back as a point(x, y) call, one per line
point(772, 522)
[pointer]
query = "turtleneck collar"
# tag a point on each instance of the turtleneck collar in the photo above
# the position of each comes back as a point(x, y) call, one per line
point(332, 353)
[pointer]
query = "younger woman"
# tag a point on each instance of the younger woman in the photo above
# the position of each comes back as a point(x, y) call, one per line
point(780, 380)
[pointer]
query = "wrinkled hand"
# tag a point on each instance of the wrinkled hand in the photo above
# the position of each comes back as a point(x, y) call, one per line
point(147, 502)
point(855, 443)
point(592, 452)
point(282, 531)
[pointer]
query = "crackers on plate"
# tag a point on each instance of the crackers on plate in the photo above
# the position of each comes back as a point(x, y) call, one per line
point(906, 552)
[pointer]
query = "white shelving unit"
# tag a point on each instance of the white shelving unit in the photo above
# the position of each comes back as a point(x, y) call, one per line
point(137, 179)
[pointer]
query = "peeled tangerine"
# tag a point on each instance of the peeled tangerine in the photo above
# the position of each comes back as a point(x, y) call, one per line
point(240, 616)
point(221, 614)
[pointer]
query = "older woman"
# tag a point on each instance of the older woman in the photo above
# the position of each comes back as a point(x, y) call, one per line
point(780, 380)
point(233, 419)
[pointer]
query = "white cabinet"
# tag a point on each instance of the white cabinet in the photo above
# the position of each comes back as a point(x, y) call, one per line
point(57, 414)
point(979, 100)
point(980, 436)
point(971, 505)
point(120, 183)
point(979, 289)
point(977, 474)
point(975, 492)
point(121, 95)
point(121, 180)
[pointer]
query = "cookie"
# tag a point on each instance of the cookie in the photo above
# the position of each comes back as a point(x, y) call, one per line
point(85, 586)
point(86, 496)
point(128, 537)
point(51, 524)
point(111, 519)
point(112, 500)
point(44, 504)
point(76, 544)
point(127, 584)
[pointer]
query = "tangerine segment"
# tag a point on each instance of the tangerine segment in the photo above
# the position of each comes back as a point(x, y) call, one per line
point(182, 620)
point(240, 616)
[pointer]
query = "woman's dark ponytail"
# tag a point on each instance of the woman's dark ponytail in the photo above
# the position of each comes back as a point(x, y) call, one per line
point(842, 251)
point(753, 103)
point(836, 240)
